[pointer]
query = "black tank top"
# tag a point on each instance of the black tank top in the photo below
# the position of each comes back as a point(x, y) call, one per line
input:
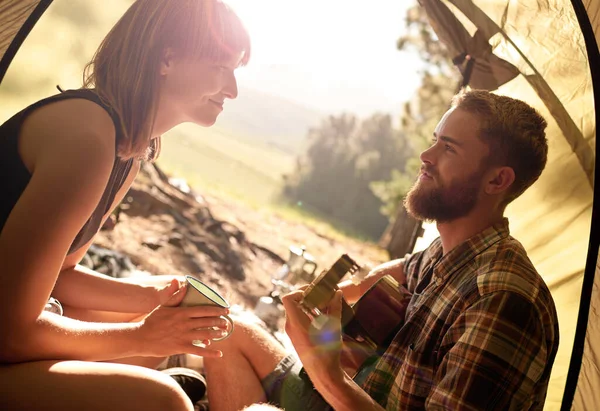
point(14, 176)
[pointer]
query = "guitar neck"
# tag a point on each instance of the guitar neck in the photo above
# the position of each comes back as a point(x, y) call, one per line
point(368, 325)
point(321, 290)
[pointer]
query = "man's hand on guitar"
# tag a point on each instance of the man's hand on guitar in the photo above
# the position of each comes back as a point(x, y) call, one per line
point(320, 353)
point(353, 292)
point(318, 348)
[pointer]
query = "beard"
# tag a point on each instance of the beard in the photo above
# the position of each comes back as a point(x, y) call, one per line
point(443, 203)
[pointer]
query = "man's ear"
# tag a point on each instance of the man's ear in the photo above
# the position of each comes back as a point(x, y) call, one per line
point(167, 61)
point(499, 180)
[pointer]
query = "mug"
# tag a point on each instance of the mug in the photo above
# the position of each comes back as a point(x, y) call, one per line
point(200, 294)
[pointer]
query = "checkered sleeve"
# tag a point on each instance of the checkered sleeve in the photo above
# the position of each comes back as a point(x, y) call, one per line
point(493, 355)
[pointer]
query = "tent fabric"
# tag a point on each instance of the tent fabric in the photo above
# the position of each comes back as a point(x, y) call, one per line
point(490, 28)
point(489, 71)
point(540, 56)
point(584, 372)
point(587, 394)
point(592, 8)
point(544, 42)
point(14, 13)
point(17, 17)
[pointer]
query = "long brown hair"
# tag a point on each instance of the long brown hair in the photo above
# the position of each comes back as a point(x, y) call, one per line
point(125, 69)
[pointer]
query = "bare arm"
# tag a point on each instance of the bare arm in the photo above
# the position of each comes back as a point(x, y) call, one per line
point(343, 394)
point(165, 332)
point(82, 287)
point(352, 292)
point(321, 355)
point(70, 169)
point(69, 148)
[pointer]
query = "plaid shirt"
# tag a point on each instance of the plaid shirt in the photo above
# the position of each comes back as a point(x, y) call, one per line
point(481, 333)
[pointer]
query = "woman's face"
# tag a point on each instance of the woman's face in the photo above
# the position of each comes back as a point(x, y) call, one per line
point(195, 90)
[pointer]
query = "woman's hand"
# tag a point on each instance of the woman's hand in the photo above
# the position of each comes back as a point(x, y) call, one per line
point(170, 330)
point(171, 294)
point(160, 289)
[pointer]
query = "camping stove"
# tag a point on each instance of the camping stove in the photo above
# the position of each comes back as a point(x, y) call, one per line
point(298, 270)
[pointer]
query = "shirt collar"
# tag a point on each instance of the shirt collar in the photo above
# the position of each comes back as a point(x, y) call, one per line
point(444, 265)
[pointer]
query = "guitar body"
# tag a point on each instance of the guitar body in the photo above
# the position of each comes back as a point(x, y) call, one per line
point(368, 326)
point(374, 320)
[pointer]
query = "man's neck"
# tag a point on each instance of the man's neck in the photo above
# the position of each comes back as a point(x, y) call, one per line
point(455, 232)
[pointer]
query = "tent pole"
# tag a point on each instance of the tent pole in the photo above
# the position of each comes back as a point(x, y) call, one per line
point(594, 244)
point(22, 34)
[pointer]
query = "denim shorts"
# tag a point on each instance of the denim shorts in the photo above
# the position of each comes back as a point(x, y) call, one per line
point(289, 387)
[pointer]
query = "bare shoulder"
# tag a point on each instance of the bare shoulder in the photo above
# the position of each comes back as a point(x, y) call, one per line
point(73, 130)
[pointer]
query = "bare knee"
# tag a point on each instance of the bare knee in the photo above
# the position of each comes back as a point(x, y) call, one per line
point(243, 332)
point(246, 336)
point(77, 385)
point(160, 392)
point(251, 343)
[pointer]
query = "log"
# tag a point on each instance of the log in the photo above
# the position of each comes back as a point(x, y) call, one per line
point(401, 235)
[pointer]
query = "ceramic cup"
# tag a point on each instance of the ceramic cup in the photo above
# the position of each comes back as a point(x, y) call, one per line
point(200, 294)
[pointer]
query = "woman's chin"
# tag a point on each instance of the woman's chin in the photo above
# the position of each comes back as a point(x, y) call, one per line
point(205, 121)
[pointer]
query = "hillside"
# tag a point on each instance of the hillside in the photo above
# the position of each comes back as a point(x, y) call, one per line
point(254, 142)
point(224, 243)
point(273, 120)
point(217, 159)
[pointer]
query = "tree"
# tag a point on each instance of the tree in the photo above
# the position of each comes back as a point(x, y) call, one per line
point(345, 155)
point(418, 120)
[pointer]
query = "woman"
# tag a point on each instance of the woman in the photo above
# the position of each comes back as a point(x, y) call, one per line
point(65, 163)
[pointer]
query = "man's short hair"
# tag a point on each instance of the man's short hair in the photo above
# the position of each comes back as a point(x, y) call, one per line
point(514, 132)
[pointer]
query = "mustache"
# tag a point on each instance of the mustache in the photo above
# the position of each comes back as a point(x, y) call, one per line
point(428, 170)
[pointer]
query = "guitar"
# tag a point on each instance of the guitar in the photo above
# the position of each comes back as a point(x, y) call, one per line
point(369, 325)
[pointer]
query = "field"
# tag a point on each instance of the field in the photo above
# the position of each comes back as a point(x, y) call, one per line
point(212, 159)
point(243, 157)
point(215, 162)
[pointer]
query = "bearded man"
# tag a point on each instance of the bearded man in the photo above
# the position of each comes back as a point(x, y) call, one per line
point(481, 330)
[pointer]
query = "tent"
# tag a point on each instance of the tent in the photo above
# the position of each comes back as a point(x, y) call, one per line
point(546, 53)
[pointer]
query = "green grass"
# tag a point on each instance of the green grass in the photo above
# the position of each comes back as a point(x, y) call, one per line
point(216, 162)
point(246, 168)
point(323, 224)
point(211, 159)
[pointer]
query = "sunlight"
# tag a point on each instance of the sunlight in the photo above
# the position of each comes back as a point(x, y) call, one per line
point(345, 51)
point(309, 31)
point(274, 27)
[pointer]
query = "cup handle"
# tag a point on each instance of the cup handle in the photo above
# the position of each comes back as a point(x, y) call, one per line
point(198, 343)
point(231, 327)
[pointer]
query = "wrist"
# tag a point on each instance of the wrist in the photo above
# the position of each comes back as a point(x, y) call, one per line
point(134, 338)
point(146, 296)
point(154, 296)
point(332, 385)
point(325, 375)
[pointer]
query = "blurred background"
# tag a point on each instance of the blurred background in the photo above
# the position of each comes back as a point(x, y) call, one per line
point(321, 130)
point(322, 143)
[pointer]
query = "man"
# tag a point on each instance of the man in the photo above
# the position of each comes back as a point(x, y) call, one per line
point(481, 331)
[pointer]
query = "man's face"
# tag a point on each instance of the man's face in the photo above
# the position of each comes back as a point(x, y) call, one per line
point(452, 170)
